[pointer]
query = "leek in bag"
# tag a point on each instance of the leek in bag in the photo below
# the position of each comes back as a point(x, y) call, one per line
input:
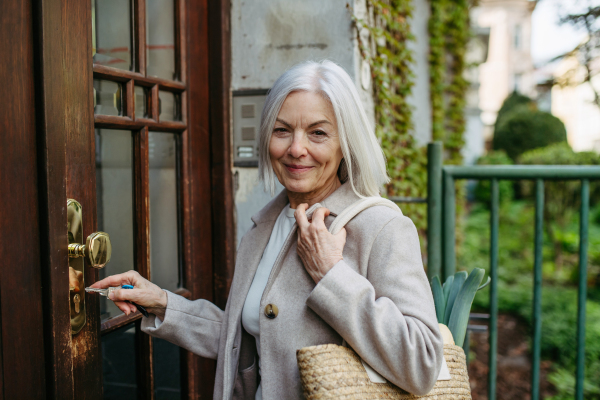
point(453, 302)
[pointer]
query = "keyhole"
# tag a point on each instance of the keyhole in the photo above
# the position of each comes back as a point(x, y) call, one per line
point(76, 300)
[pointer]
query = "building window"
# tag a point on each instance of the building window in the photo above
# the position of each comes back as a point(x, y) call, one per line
point(517, 80)
point(518, 39)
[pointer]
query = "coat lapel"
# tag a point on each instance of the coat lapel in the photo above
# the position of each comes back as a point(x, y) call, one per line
point(249, 255)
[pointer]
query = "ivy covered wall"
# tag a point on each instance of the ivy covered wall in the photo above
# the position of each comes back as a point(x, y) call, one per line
point(388, 52)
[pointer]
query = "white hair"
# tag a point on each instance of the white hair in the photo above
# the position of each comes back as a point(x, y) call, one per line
point(364, 162)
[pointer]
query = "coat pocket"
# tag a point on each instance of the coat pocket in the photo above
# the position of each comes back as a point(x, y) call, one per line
point(246, 383)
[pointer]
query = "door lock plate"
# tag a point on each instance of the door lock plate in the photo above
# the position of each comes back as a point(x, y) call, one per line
point(76, 266)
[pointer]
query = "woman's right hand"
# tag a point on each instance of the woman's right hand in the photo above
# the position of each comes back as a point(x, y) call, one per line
point(144, 293)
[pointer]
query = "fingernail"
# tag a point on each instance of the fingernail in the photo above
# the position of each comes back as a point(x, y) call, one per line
point(111, 296)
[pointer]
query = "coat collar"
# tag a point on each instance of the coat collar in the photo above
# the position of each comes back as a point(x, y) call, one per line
point(343, 197)
point(339, 200)
point(271, 211)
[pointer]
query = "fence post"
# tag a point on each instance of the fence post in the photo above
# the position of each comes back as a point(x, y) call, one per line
point(582, 293)
point(537, 289)
point(448, 226)
point(434, 209)
point(493, 328)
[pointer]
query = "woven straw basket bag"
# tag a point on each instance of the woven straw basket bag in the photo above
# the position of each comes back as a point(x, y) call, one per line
point(336, 372)
point(330, 371)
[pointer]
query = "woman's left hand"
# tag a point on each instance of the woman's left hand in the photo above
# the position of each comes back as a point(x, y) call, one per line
point(318, 249)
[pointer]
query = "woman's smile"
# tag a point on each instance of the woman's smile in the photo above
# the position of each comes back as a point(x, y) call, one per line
point(297, 169)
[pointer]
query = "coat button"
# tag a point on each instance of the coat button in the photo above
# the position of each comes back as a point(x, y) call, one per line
point(271, 311)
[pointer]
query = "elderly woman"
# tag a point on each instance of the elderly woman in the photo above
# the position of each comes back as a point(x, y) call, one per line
point(297, 285)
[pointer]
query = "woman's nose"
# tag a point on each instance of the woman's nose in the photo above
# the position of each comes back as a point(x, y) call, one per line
point(298, 147)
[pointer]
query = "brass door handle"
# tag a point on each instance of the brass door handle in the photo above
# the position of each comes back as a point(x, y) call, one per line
point(97, 249)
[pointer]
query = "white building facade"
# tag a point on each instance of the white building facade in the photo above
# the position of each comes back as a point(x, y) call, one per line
point(509, 65)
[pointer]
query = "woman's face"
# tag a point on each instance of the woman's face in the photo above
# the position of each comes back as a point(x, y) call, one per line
point(305, 148)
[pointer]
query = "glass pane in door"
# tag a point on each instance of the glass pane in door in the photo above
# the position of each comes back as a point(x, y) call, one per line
point(164, 210)
point(168, 106)
point(119, 364)
point(160, 39)
point(111, 33)
point(114, 199)
point(167, 374)
point(108, 97)
point(140, 100)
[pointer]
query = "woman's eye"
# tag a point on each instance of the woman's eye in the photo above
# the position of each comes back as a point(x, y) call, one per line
point(319, 133)
point(280, 130)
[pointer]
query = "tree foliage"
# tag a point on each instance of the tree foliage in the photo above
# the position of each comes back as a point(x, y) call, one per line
point(587, 53)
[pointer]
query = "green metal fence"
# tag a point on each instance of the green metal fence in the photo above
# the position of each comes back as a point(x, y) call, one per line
point(441, 211)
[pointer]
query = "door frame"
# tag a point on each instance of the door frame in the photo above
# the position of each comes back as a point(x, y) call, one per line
point(51, 77)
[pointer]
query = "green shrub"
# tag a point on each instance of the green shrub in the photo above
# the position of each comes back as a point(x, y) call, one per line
point(515, 240)
point(560, 195)
point(515, 288)
point(513, 101)
point(559, 327)
point(563, 380)
point(562, 198)
point(525, 128)
point(559, 154)
point(505, 188)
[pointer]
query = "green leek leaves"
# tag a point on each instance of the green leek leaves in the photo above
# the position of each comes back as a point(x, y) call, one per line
point(453, 300)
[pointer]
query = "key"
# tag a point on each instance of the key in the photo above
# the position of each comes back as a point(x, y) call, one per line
point(101, 292)
point(105, 292)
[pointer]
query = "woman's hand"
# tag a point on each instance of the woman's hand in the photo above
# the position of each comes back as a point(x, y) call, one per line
point(144, 293)
point(318, 249)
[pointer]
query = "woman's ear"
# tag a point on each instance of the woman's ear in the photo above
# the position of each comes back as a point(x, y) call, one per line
point(342, 171)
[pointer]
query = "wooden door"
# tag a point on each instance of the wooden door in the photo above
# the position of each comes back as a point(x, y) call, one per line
point(102, 93)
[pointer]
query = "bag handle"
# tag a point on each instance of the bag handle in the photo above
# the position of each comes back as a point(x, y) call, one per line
point(353, 210)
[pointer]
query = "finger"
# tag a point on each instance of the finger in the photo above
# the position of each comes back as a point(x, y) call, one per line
point(300, 215)
point(139, 296)
point(132, 308)
point(318, 217)
point(341, 234)
point(124, 295)
point(129, 277)
point(123, 307)
point(110, 281)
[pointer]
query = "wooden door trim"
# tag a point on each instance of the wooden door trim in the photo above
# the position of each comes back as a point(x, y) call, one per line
point(143, 342)
point(52, 186)
point(197, 208)
point(224, 238)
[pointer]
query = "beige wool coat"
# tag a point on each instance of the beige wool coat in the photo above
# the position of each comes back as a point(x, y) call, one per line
point(377, 298)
